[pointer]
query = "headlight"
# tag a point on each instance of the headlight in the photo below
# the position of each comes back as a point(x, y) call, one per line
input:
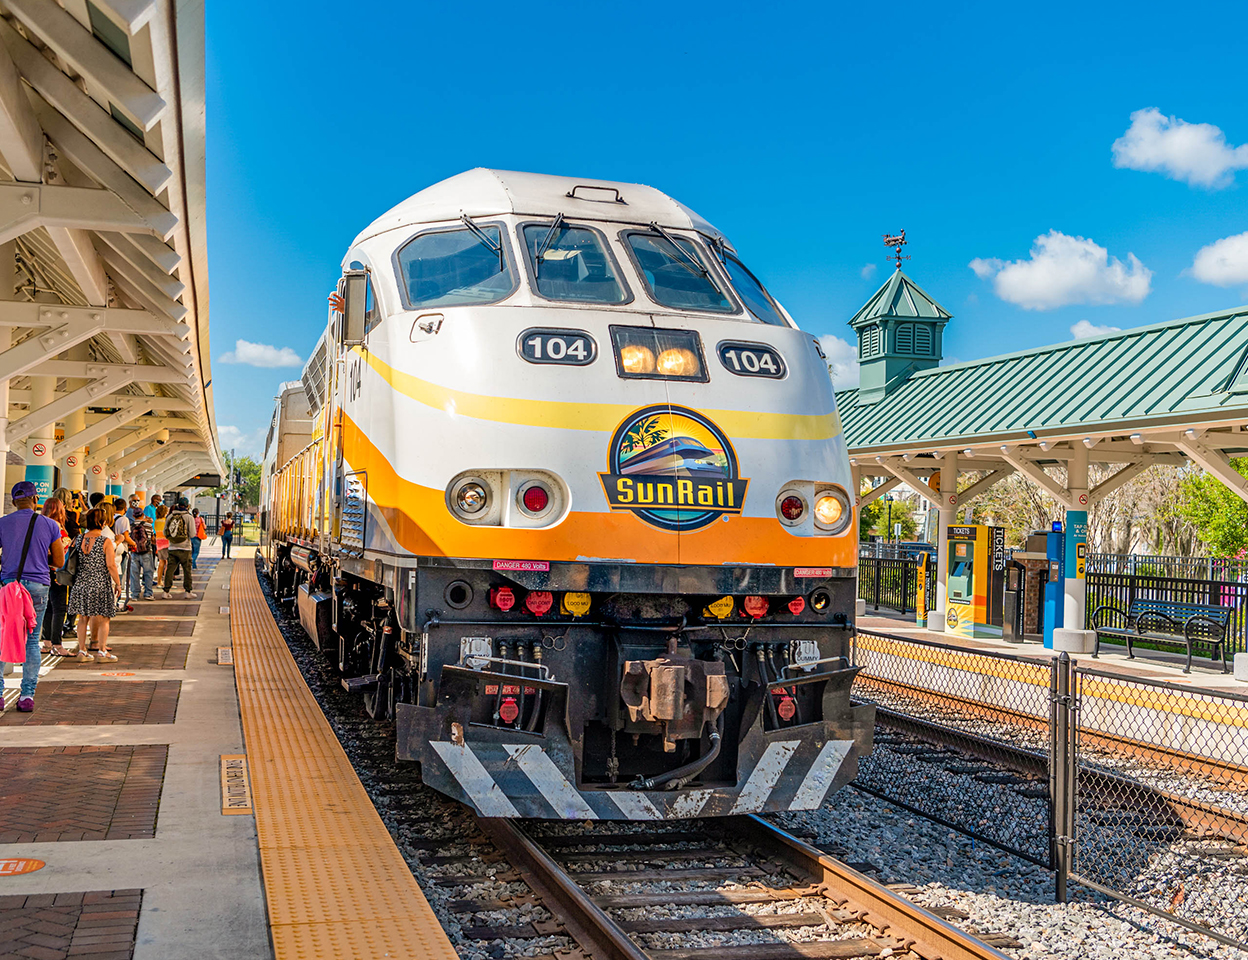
point(678, 363)
point(828, 510)
point(471, 498)
point(656, 354)
point(832, 510)
point(635, 358)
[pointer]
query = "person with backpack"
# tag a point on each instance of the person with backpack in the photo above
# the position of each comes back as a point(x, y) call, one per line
point(179, 528)
point(143, 559)
point(30, 549)
point(198, 537)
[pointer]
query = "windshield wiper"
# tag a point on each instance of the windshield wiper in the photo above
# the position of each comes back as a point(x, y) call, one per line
point(495, 248)
point(544, 246)
point(681, 252)
point(720, 248)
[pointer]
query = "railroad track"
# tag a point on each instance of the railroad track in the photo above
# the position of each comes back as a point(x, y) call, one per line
point(1165, 806)
point(738, 888)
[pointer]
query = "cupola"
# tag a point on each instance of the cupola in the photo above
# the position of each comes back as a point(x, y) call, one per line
point(899, 333)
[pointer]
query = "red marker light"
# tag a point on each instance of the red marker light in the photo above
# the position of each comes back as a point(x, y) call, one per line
point(508, 711)
point(539, 601)
point(756, 606)
point(787, 708)
point(791, 508)
point(536, 499)
point(797, 605)
point(501, 598)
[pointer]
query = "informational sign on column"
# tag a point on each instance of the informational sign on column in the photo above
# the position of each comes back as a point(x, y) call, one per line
point(1076, 543)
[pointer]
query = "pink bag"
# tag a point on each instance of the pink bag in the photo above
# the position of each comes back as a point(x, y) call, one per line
point(17, 619)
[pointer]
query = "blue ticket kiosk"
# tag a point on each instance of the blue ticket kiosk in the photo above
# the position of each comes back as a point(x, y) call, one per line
point(1055, 584)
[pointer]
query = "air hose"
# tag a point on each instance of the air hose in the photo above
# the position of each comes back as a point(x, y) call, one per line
point(675, 779)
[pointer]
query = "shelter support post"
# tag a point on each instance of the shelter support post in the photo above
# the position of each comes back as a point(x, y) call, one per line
point(40, 467)
point(97, 476)
point(1076, 587)
point(946, 517)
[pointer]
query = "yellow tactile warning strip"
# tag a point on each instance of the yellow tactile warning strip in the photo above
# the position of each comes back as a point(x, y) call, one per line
point(335, 883)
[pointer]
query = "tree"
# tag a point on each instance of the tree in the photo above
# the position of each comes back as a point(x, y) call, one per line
point(874, 518)
point(1219, 515)
point(248, 490)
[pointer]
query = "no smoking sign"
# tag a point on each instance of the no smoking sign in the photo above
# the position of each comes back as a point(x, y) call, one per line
point(39, 450)
point(71, 461)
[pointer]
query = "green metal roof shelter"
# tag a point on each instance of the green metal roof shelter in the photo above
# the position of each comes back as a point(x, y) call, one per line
point(1166, 393)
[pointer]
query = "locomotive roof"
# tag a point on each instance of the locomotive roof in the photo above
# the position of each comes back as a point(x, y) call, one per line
point(491, 193)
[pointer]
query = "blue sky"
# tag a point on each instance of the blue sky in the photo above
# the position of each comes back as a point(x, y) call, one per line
point(1055, 168)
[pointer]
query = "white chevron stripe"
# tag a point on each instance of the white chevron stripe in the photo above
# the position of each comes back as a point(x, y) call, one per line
point(689, 804)
point(483, 792)
point(765, 776)
point(554, 786)
point(635, 806)
point(820, 775)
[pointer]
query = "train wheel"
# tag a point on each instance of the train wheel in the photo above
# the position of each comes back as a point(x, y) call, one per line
point(377, 699)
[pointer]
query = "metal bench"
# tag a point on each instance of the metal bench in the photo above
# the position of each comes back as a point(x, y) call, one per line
point(1165, 623)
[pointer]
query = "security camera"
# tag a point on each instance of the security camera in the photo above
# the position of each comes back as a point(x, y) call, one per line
point(162, 437)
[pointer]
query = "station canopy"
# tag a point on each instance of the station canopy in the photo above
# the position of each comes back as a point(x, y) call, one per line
point(1167, 393)
point(104, 315)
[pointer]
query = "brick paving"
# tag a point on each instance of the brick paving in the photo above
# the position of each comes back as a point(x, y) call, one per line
point(132, 625)
point(137, 656)
point(56, 926)
point(91, 702)
point(52, 794)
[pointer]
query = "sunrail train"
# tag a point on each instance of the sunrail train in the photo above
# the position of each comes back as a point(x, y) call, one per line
point(563, 491)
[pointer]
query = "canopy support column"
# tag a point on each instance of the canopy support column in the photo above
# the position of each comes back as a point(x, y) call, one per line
point(946, 516)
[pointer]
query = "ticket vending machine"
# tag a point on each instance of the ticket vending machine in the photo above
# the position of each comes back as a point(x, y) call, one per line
point(975, 584)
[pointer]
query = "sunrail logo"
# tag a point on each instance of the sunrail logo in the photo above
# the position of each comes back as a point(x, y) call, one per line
point(674, 468)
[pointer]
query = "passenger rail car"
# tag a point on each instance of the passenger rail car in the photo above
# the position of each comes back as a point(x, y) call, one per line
point(564, 492)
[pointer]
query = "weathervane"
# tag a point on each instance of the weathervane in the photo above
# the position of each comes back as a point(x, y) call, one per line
point(897, 243)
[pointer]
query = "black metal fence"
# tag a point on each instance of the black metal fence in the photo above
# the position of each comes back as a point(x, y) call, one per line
point(1120, 589)
point(892, 582)
point(1130, 787)
point(1190, 568)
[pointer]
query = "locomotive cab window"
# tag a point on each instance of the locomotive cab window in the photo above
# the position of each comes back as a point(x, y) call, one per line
point(571, 263)
point(456, 267)
point(757, 300)
point(676, 274)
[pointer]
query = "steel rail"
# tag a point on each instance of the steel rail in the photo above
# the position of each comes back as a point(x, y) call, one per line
point(1194, 813)
point(602, 938)
point(590, 925)
point(924, 933)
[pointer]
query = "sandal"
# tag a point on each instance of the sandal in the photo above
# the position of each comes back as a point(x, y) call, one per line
point(59, 651)
point(44, 647)
point(103, 656)
point(84, 656)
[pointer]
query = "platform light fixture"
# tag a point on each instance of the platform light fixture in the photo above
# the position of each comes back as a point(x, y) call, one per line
point(1137, 439)
point(1091, 442)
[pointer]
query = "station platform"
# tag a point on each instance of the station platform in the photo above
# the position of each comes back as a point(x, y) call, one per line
point(191, 801)
point(1156, 665)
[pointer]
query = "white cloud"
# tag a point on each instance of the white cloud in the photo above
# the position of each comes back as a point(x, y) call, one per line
point(842, 361)
point(245, 443)
point(1086, 328)
point(1065, 270)
point(868, 271)
point(1224, 263)
point(260, 355)
point(1196, 153)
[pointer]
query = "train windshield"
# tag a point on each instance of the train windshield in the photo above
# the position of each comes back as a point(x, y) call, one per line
point(757, 300)
point(451, 267)
point(677, 277)
point(571, 263)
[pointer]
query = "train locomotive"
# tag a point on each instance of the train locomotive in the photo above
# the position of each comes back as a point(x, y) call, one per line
point(563, 492)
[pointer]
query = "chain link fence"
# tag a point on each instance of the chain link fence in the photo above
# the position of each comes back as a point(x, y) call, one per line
point(1134, 788)
point(1160, 811)
point(962, 738)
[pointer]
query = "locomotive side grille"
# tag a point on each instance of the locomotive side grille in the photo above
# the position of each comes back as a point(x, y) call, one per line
point(353, 510)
